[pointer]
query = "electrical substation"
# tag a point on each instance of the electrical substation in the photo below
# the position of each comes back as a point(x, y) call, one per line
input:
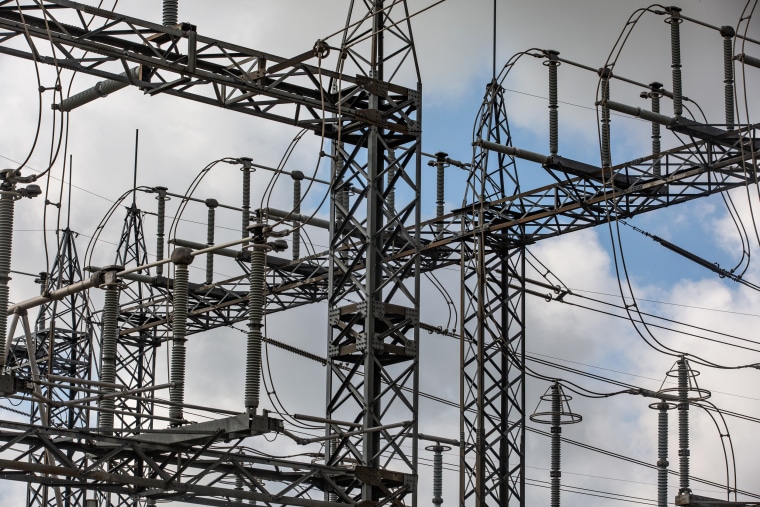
point(350, 320)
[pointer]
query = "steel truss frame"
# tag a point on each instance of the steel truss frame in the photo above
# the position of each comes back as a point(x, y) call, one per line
point(492, 416)
point(199, 473)
point(371, 281)
point(373, 299)
point(64, 335)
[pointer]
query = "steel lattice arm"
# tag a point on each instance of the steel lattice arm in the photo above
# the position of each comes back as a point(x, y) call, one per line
point(183, 63)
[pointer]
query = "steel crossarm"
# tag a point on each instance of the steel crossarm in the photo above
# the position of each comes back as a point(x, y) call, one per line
point(199, 474)
point(179, 61)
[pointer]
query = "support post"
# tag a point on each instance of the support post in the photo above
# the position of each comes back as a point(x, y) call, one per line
point(297, 178)
point(182, 258)
point(7, 204)
point(728, 34)
point(110, 334)
point(553, 64)
point(662, 451)
point(256, 302)
point(605, 74)
point(683, 426)
point(247, 169)
point(655, 93)
point(161, 222)
point(675, 21)
point(440, 165)
point(211, 204)
point(438, 451)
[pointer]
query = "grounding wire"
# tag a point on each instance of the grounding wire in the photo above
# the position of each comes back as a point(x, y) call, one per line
point(723, 444)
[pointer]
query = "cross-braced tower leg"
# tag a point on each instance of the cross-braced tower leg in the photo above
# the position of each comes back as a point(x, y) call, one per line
point(373, 311)
point(64, 334)
point(493, 327)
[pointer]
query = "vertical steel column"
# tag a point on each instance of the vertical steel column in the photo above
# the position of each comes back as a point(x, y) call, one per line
point(7, 204)
point(136, 351)
point(211, 204)
point(553, 63)
point(728, 34)
point(256, 302)
point(64, 328)
point(181, 258)
point(492, 412)
point(162, 198)
point(297, 178)
point(110, 334)
point(373, 371)
point(683, 425)
point(247, 168)
point(675, 48)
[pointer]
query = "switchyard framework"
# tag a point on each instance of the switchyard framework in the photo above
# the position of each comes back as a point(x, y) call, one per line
point(369, 277)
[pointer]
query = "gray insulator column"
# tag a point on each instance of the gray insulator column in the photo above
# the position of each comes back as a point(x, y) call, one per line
point(728, 34)
point(606, 74)
point(675, 47)
point(255, 318)
point(553, 63)
point(171, 12)
point(438, 451)
point(110, 334)
point(238, 487)
point(662, 453)
point(655, 95)
point(182, 258)
point(297, 178)
point(440, 159)
point(7, 205)
point(211, 204)
point(160, 227)
point(556, 432)
point(246, 196)
point(43, 281)
point(100, 90)
point(683, 425)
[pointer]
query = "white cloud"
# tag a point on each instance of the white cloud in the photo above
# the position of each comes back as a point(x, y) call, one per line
point(178, 138)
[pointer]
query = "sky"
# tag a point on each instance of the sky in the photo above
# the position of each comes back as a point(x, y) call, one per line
point(455, 43)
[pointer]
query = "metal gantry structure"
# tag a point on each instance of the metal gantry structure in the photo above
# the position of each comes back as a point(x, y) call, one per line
point(369, 276)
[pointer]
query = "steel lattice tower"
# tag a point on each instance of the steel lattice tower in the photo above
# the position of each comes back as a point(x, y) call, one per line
point(374, 315)
point(493, 321)
point(370, 277)
point(136, 347)
point(63, 332)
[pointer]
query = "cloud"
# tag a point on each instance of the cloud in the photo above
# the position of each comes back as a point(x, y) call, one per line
point(179, 138)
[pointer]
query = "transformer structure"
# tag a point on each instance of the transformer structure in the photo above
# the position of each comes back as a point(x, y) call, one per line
point(369, 276)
